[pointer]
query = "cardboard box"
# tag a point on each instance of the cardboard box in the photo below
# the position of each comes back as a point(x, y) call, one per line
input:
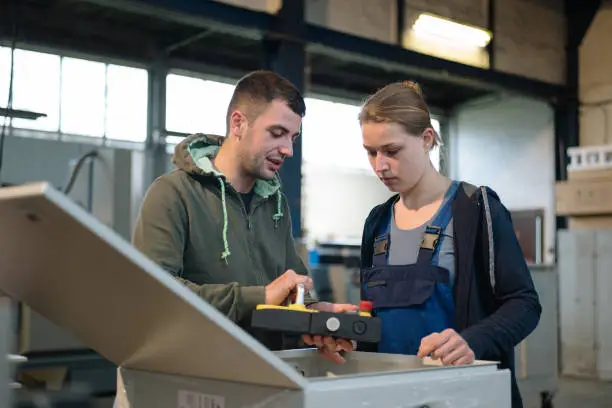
point(172, 348)
point(590, 222)
point(598, 174)
point(585, 197)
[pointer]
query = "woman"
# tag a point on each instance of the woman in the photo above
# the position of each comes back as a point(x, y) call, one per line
point(441, 262)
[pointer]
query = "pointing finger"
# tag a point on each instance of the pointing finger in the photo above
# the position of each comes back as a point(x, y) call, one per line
point(428, 345)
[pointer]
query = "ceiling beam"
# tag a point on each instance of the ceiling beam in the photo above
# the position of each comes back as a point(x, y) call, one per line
point(210, 13)
point(207, 14)
point(332, 43)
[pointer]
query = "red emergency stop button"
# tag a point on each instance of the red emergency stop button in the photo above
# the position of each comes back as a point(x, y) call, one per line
point(366, 305)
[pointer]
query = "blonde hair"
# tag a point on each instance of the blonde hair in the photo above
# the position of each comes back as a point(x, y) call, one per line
point(401, 103)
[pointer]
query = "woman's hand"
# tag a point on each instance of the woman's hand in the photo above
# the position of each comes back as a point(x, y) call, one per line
point(448, 346)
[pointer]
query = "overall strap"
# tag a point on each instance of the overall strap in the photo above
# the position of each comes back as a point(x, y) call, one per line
point(382, 241)
point(432, 238)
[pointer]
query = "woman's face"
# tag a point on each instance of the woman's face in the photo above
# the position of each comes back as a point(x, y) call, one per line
point(398, 158)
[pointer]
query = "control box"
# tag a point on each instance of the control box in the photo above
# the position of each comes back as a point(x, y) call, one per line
point(298, 319)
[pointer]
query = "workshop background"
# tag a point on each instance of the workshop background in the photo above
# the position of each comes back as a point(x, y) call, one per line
point(100, 91)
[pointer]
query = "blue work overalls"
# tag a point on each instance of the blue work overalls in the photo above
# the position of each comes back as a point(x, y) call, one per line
point(416, 300)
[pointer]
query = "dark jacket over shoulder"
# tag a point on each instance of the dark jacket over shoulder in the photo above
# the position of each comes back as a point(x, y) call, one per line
point(495, 299)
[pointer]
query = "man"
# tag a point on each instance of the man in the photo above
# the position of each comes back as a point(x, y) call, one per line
point(220, 224)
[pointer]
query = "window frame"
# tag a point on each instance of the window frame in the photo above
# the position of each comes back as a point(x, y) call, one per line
point(77, 138)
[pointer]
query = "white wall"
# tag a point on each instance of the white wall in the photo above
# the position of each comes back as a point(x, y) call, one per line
point(508, 144)
point(29, 159)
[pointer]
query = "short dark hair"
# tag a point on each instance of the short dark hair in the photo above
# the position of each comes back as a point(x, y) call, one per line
point(261, 87)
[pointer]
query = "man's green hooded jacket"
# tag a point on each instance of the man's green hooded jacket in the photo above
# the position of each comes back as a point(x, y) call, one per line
point(196, 226)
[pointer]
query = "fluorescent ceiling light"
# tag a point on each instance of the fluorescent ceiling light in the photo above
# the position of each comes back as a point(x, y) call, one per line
point(459, 33)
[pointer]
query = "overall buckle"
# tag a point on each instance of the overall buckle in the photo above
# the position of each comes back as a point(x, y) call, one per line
point(431, 237)
point(381, 244)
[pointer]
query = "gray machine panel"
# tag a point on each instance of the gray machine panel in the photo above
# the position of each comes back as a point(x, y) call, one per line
point(82, 276)
point(365, 380)
point(361, 363)
point(173, 347)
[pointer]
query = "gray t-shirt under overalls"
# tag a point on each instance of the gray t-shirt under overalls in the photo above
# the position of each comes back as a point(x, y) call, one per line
point(405, 245)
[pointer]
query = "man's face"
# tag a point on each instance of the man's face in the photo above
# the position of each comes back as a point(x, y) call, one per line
point(268, 140)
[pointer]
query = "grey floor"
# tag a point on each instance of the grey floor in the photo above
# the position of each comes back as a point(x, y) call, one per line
point(578, 393)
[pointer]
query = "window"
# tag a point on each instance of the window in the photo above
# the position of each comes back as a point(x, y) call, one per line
point(126, 103)
point(5, 67)
point(83, 97)
point(36, 86)
point(332, 136)
point(78, 96)
point(196, 105)
point(434, 154)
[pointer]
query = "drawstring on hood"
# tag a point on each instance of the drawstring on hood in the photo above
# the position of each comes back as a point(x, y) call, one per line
point(226, 252)
point(195, 155)
point(279, 208)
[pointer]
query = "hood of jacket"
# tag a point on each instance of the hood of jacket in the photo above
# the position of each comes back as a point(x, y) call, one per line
point(195, 156)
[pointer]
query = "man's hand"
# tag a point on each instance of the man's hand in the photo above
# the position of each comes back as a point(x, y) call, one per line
point(280, 288)
point(327, 345)
point(448, 346)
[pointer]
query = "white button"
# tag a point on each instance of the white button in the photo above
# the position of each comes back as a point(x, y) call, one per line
point(332, 324)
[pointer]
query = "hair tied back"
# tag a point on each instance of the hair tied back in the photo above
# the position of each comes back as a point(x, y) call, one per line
point(414, 86)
